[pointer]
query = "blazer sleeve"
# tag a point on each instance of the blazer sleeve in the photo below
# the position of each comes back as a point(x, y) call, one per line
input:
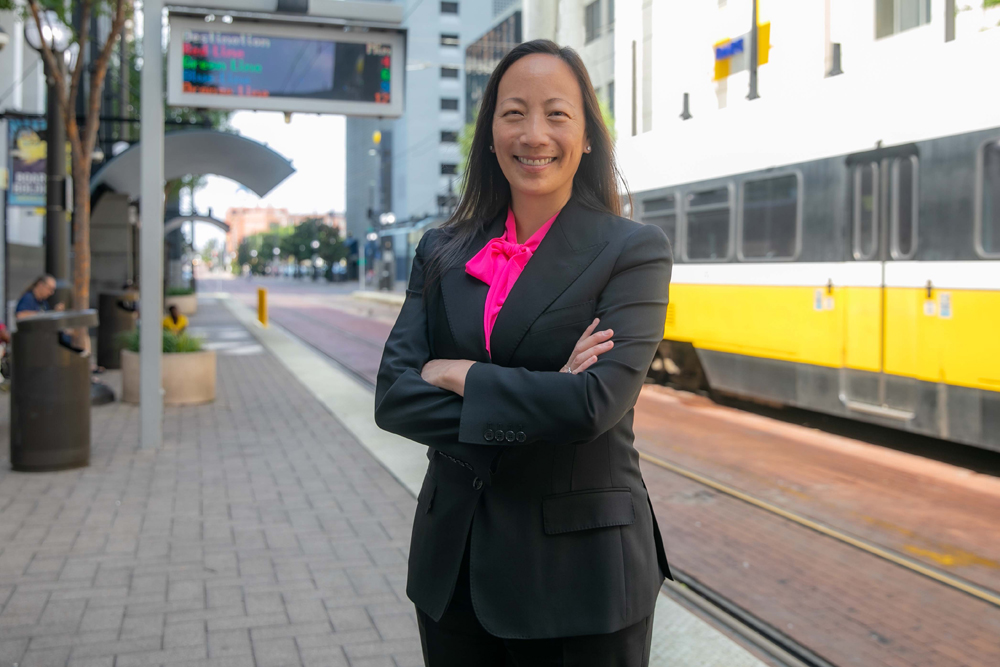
point(564, 408)
point(405, 404)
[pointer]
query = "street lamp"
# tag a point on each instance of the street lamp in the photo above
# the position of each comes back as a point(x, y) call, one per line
point(57, 37)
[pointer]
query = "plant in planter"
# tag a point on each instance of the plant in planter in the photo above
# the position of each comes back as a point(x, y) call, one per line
point(188, 370)
point(184, 298)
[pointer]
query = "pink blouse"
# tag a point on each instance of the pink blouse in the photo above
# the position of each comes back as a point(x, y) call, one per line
point(499, 264)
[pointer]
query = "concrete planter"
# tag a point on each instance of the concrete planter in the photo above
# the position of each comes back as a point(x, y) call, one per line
point(188, 377)
point(186, 303)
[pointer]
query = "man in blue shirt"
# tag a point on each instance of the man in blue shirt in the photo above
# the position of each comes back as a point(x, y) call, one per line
point(36, 299)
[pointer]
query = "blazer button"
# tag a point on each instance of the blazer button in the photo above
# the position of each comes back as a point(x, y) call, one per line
point(510, 436)
point(487, 435)
point(521, 437)
point(477, 484)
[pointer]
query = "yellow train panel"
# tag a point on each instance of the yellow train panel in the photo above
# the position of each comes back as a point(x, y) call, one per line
point(950, 338)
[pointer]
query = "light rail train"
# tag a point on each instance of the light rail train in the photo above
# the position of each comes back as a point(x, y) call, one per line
point(865, 284)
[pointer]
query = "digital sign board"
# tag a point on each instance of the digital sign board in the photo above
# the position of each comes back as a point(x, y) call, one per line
point(280, 67)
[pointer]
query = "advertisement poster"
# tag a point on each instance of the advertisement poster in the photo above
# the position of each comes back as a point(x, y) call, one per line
point(27, 162)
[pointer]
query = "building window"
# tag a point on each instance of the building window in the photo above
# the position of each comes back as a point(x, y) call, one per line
point(449, 104)
point(866, 180)
point(592, 20)
point(662, 212)
point(611, 14)
point(449, 7)
point(448, 169)
point(708, 228)
point(449, 72)
point(893, 16)
point(770, 218)
point(988, 227)
point(903, 211)
point(449, 137)
point(449, 39)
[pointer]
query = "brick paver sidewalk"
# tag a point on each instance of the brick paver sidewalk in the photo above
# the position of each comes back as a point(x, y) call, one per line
point(261, 533)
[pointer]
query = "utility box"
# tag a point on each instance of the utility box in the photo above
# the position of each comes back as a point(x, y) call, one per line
point(50, 394)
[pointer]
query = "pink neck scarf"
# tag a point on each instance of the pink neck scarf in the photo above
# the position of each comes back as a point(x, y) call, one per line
point(499, 264)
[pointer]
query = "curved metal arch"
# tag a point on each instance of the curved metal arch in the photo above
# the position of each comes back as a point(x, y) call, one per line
point(176, 223)
point(200, 152)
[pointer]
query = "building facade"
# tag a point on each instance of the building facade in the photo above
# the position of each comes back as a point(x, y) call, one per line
point(415, 165)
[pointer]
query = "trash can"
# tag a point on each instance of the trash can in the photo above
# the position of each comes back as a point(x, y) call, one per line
point(117, 314)
point(50, 394)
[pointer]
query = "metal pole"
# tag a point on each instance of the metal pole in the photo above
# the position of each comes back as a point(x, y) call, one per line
point(151, 234)
point(753, 56)
point(56, 224)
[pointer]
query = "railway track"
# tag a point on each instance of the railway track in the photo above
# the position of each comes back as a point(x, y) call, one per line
point(778, 646)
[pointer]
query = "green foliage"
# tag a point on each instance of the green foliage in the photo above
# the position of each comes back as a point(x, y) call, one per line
point(292, 242)
point(179, 291)
point(172, 343)
point(609, 119)
point(465, 137)
point(988, 3)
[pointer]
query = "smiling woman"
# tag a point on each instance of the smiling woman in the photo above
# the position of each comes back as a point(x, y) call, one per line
point(534, 541)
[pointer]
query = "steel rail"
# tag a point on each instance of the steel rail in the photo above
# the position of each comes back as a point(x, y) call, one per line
point(859, 543)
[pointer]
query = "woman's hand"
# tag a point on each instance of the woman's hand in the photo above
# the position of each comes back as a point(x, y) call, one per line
point(447, 374)
point(587, 348)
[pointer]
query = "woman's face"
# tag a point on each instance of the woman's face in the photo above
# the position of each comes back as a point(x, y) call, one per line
point(539, 127)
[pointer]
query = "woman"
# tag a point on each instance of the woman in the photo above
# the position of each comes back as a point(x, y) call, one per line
point(534, 539)
point(175, 322)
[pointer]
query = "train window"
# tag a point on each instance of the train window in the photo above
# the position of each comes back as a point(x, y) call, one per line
point(989, 201)
point(905, 185)
point(708, 228)
point(866, 210)
point(770, 221)
point(662, 212)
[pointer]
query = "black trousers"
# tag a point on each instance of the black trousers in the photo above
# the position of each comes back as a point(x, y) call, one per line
point(458, 640)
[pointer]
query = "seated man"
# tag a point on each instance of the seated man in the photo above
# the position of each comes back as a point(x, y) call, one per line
point(175, 322)
point(36, 299)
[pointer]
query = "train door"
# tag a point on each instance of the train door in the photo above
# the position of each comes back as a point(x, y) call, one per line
point(880, 344)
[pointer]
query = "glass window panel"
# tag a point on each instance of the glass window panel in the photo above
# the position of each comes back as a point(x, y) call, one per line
point(865, 204)
point(708, 234)
point(658, 204)
point(449, 169)
point(770, 217)
point(449, 7)
point(449, 104)
point(719, 196)
point(904, 206)
point(885, 18)
point(909, 14)
point(668, 223)
point(449, 39)
point(449, 72)
point(990, 230)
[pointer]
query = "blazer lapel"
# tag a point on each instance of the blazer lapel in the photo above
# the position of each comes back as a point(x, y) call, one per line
point(464, 297)
point(569, 247)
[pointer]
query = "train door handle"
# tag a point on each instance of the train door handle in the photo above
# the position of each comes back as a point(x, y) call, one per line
point(930, 288)
point(829, 287)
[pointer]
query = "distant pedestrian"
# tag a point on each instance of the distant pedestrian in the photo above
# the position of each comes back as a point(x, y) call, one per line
point(534, 540)
point(175, 322)
point(36, 299)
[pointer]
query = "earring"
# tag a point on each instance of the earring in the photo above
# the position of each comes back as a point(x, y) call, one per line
point(491, 148)
point(588, 149)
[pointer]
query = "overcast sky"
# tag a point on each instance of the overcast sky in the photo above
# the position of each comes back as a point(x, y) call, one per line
point(315, 146)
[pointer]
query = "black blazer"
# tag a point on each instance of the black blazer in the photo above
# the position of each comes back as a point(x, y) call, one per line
point(538, 464)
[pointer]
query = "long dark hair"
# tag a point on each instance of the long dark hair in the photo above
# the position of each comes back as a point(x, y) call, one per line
point(485, 190)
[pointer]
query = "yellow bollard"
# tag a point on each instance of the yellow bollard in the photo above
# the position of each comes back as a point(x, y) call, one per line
point(262, 306)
